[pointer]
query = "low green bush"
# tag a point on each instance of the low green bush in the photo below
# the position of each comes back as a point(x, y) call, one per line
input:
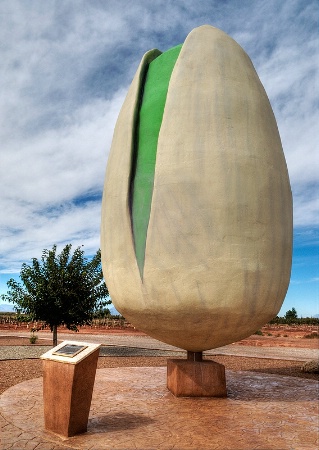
point(312, 336)
point(259, 332)
point(33, 338)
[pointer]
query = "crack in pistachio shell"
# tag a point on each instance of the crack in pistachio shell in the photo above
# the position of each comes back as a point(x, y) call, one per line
point(149, 121)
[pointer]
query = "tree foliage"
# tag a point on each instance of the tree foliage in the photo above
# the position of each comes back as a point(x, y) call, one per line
point(291, 315)
point(291, 318)
point(60, 289)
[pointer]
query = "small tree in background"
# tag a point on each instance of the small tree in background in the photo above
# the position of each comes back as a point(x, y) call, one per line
point(60, 289)
point(291, 315)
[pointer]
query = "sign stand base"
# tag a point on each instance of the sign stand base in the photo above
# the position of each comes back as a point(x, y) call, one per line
point(67, 389)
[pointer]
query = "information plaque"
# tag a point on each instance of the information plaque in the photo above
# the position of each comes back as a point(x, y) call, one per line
point(69, 350)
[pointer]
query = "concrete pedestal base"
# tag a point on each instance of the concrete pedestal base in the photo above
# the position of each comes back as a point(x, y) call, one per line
point(67, 394)
point(186, 378)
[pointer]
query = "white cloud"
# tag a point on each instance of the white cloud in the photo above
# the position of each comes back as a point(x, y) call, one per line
point(287, 66)
point(43, 176)
point(58, 164)
point(55, 137)
point(65, 69)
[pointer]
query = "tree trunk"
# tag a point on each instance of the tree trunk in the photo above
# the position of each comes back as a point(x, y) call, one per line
point(55, 335)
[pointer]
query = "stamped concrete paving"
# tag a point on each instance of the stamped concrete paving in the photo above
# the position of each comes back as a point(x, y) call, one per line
point(132, 409)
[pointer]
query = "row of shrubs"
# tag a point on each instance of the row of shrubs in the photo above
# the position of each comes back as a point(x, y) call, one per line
point(111, 320)
point(296, 321)
point(24, 320)
point(312, 335)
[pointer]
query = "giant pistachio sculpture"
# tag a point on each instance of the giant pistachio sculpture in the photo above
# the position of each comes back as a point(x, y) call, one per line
point(197, 209)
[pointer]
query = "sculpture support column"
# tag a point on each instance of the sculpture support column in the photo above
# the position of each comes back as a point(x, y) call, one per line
point(194, 356)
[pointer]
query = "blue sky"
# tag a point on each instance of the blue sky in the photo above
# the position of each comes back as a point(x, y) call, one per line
point(65, 69)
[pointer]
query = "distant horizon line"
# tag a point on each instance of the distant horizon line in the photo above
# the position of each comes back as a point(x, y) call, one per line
point(11, 306)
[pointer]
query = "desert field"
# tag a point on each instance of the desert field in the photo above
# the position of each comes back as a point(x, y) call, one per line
point(17, 370)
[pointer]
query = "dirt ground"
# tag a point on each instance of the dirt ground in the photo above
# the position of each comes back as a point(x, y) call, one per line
point(16, 371)
point(285, 336)
point(297, 336)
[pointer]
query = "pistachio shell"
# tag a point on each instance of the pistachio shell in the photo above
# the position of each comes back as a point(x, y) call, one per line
point(219, 241)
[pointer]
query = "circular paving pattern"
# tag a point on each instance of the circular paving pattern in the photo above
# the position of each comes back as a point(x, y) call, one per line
point(132, 408)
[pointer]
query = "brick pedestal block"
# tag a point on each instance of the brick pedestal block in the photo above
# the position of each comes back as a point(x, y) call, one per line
point(67, 394)
point(187, 378)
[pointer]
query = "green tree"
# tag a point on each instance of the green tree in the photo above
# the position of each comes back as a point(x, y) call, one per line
point(60, 289)
point(291, 315)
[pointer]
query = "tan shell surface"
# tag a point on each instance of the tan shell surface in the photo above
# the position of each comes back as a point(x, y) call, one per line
point(218, 249)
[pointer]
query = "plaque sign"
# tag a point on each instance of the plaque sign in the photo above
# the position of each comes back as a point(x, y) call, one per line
point(70, 350)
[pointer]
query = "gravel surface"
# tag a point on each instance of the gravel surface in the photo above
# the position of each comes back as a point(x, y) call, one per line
point(274, 349)
point(31, 352)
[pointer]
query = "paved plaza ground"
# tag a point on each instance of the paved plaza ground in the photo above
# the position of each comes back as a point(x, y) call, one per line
point(132, 408)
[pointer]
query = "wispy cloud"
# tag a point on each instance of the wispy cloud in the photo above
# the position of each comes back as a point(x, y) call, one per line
point(310, 280)
point(65, 70)
point(51, 178)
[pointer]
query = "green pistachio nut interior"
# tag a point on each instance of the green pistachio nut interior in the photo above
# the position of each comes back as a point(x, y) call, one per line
point(153, 97)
